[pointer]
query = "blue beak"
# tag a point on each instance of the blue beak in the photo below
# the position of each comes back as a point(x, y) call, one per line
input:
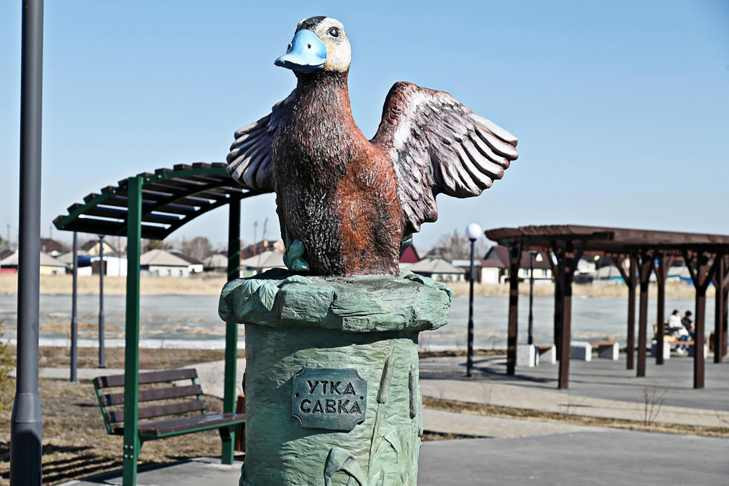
point(306, 53)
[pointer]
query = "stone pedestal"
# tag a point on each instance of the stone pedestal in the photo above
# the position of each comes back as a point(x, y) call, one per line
point(332, 392)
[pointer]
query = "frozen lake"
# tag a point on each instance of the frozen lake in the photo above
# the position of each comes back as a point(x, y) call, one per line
point(195, 318)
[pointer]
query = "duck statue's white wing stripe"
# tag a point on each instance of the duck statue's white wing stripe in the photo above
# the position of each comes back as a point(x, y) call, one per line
point(250, 157)
point(438, 146)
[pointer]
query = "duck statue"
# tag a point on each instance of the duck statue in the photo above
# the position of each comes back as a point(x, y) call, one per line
point(345, 202)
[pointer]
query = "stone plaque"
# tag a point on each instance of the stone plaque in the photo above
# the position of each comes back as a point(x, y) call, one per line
point(328, 398)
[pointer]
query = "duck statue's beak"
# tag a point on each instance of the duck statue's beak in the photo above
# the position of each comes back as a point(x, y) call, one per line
point(306, 53)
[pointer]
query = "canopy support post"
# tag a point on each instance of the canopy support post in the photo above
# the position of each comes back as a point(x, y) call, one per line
point(721, 279)
point(702, 271)
point(231, 331)
point(661, 264)
point(629, 277)
point(567, 259)
point(132, 444)
point(513, 326)
point(645, 268)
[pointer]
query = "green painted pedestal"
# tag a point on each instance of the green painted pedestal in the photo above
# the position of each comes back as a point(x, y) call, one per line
point(332, 392)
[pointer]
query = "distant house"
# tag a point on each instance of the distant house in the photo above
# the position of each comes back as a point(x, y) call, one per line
point(495, 266)
point(216, 263)
point(92, 248)
point(162, 263)
point(438, 269)
point(196, 266)
point(48, 264)
point(409, 254)
point(53, 247)
point(263, 261)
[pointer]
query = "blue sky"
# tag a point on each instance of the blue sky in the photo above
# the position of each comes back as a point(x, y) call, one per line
point(621, 108)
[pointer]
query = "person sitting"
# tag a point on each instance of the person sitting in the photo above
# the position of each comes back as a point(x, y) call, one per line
point(674, 323)
point(687, 323)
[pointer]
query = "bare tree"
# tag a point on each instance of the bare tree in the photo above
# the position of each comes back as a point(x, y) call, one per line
point(199, 248)
point(148, 245)
point(454, 246)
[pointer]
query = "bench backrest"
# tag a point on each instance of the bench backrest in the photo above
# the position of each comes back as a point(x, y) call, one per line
point(175, 391)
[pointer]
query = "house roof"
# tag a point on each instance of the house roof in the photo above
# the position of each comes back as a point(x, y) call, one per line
point(161, 258)
point(267, 259)
point(498, 257)
point(190, 260)
point(435, 266)
point(45, 260)
point(217, 260)
point(49, 245)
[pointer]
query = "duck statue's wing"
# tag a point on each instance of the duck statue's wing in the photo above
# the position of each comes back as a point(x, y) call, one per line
point(437, 145)
point(249, 159)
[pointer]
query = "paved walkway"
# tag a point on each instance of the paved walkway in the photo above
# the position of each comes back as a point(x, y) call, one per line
point(605, 458)
point(636, 398)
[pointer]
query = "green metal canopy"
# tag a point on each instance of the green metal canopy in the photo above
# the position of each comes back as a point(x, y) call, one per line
point(171, 198)
point(152, 206)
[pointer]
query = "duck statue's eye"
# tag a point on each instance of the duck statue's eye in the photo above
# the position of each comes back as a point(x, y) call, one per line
point(334, 32)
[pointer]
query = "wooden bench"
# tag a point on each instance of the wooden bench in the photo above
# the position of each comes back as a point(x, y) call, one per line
point(173, 406)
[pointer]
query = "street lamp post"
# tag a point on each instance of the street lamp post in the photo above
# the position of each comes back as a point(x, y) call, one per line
point(473, 232)
point(26, 425)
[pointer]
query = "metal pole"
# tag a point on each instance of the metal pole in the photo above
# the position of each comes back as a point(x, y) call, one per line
point(102, 271)
point(74, 311)
point(231, 331)
point(132, 444)
point(530, 329)
point(26, 422)
point(469, 352)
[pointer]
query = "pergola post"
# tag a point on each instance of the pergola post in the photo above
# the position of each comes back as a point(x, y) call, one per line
point(725, 326)
point(557, 302)
point(702, 270)
point(567, 259)
point(721, 283)
point(645, 268)
point(513, 328)
point(231, 331)
point(132, 443)
point(661, 264)
point(630, 278)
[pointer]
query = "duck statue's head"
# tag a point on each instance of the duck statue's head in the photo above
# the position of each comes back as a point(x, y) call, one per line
point(319, 44)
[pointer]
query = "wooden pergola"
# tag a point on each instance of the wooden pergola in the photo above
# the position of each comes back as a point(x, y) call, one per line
point(152, 206)
point(637, 254)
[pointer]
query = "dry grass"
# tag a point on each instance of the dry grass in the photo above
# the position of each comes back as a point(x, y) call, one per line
point(211, 284)
point(528, 414)
point(75, 443)
point(674, 290)
point(58, 357)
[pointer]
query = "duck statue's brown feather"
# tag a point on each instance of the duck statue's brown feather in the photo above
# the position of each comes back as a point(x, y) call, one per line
point(351, 201)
